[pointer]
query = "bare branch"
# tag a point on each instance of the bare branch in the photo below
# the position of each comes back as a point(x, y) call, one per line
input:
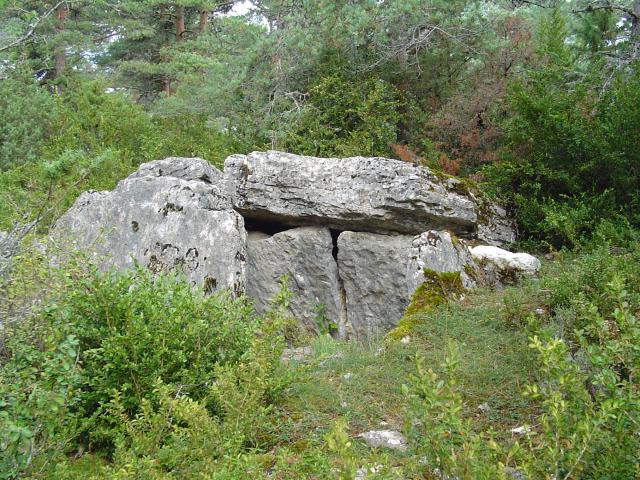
point(607, 6)
point(33, 28)
point(535, 4)
point(417, 39)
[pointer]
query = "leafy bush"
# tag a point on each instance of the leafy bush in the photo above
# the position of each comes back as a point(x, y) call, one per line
point(443, 441)
point(136, 365)
point(569, 161)
point(585, 276)
point(98, 138)
point(26, 110)
point(587, 392)
point(344, 117)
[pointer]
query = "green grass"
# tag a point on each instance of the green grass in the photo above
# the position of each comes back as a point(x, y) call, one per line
point(362, 382)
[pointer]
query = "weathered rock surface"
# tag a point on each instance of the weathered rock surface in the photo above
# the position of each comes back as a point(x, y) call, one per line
point(391, 439)
point(305, 255)
point(499, 266)
point(388, 216)
point(163, 222)
point(495, 227)
point(4, 248)
point(440, 252)
point(298, 354)
point(366, 194)
point(374, 271)
point(381, 272)
point(184, 168)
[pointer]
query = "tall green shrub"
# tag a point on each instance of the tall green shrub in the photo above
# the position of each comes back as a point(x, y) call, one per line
point(26, 110)
point(346, 117)
point(569, 161)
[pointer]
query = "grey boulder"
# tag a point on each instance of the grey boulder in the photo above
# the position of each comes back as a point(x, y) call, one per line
point(498, 266)
point(380, 273)
point(305, 255)
point(366, 194)
point(440, 251)
point(495, 227)
point(163, 218)
point(391, 439)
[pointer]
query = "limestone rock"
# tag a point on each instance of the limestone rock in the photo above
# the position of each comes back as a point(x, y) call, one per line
point(298, 354)
point(367, 194)
point(306, 255)
point(4, 244)
point(381, 272)
point(162, 221)
point(391, 439)
point(500, 266)
point(183, 168)
point(441, 252)
point(374, 271)
point(495, 227)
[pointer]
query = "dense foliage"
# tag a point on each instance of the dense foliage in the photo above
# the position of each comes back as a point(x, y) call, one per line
point(587, 349)
point(110, 357)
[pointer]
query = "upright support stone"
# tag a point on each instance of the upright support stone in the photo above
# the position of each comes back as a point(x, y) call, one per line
point(305, 255)
point(374, 271)
point(381, 272)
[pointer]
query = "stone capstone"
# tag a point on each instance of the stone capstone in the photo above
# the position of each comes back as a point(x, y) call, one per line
point(183, 168)
point(162, 222)
point(304, 254)
point(365, 194)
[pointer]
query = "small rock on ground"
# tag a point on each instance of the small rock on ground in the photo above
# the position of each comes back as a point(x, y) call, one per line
point(385, 438)
point(298, 354)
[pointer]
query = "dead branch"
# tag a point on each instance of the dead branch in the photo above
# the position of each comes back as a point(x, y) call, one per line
point(32, 28)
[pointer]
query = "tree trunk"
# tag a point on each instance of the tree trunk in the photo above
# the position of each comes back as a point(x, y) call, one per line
point(204, 18)
point(635, 31)
point(60, 59)
point(179, 23)
point(166, 86)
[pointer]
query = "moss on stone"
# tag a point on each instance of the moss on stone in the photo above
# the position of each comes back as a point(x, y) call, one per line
point(455, 241)
point(405, 327)
point(437, 288)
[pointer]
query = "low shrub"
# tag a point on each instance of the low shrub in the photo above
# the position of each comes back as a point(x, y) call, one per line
point(587, 392)
point(136, 367)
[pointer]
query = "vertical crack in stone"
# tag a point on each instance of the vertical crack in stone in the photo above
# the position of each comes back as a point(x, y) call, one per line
point(342, 294)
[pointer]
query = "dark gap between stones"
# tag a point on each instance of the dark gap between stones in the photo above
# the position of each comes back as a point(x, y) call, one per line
point(342, 314)
point(270, 227)
point(334, 237)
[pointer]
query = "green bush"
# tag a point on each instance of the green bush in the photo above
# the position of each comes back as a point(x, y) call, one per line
point(587, 398)
point(134, 329)
point(26, 110)
point(98, 138)
point(346, 117)
point(585, 276)
point(569, 158)
point(111, 358)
